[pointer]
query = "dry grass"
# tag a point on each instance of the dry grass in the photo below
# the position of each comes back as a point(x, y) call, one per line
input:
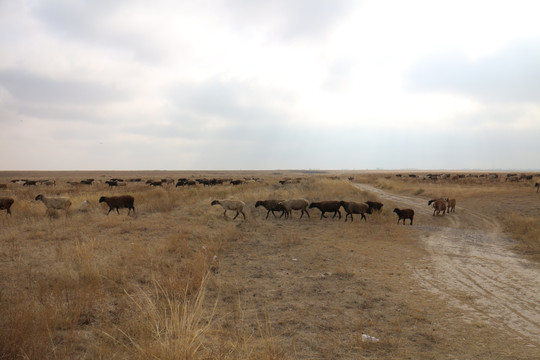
point(178, 280)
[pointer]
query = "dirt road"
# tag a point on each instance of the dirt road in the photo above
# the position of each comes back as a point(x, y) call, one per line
point(472, 267)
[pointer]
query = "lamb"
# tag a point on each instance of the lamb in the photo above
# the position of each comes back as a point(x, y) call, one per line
point(233, 205)
point(295, 204)
point(439, 205)
point(327, 206)
point(354, 208)
point(5, 204)
point(54, 203)
point(451, 205)
point(271, 205)
point(404, 214)
point(374, 206)
point(119, 202)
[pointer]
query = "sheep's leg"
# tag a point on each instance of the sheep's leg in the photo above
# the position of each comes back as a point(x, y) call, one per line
point(109, 211)
point(404, 222)
point(237, 213)
point(363, 217)
point(244, 215)
point(322, 215)
point(225, 213)
point(268, 213)
point(8, 211)
point(118, 212)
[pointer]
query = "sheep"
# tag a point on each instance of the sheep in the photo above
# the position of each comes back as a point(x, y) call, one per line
point(327, 206)
point(352, 207)
point(404, 214)
point(271, 205)
point(451, 205)
point(5, 204)
point(233, 205)
point(3, 186)
point(374, 206)
point(439, 205)
point(118, 202)
point(111, 183)
point(54, 203)
point(295, 204)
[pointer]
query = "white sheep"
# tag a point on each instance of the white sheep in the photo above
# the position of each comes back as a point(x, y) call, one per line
point(295, 204)
point(233, 205)
point(55, 203)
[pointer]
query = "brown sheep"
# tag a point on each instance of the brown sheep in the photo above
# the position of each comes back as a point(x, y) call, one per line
point(54, 203)
point(327, 206)
point(451, 205)
point(374, 206)
point(271, 205)
point(404, 214)
point(354, 208)
point(118, 202)
point(5, 204)
point(296, 204)
point(439, 205)
point(233, 205)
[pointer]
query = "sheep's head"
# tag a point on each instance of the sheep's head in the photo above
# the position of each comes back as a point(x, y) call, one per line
point(39, 197)
point(102, 199)
point(215, 202)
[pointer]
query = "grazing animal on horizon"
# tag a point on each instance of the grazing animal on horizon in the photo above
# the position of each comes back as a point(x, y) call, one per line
point(439, 205)
point(119, 202)
point(451, 205)
point(354, 208)
point(5, 204)
point(233, 205)
point(327, 206)
point(271, 205)
point(295, 204)
point(404, 214)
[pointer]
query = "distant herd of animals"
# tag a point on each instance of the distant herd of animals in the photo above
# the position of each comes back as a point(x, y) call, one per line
point(440, 206)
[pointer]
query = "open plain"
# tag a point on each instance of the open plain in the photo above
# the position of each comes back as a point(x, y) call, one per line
point(178, 279)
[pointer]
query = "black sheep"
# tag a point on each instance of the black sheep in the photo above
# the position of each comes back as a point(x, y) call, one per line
point(118, 202)
point(404, 214)
point(327, 206)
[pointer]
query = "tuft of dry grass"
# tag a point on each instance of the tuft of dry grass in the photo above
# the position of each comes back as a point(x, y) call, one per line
point(526, 229)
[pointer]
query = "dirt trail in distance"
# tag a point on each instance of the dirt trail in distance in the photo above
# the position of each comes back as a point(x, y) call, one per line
point(472, 267)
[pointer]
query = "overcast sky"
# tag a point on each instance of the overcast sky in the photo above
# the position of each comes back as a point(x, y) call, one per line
point(286, 84)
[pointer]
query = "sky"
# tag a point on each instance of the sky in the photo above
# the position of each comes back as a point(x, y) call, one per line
point(262, 85)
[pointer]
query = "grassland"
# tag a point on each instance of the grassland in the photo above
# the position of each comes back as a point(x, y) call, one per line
point(178, 280)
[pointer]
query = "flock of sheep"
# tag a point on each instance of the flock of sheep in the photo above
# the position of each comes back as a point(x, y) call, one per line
point(53, 203)
point(440, 206)
point(287, 206)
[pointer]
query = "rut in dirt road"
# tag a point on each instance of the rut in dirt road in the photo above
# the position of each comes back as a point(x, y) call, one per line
point(472, 267)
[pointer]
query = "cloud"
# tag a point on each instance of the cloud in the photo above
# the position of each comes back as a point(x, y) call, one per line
point(511, 75)
point(288, 21)
point(29, 87)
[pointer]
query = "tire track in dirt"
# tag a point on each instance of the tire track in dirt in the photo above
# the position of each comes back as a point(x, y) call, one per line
point(472, 267)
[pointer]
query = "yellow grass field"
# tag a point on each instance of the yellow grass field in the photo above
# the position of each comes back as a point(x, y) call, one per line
point(179, 280)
